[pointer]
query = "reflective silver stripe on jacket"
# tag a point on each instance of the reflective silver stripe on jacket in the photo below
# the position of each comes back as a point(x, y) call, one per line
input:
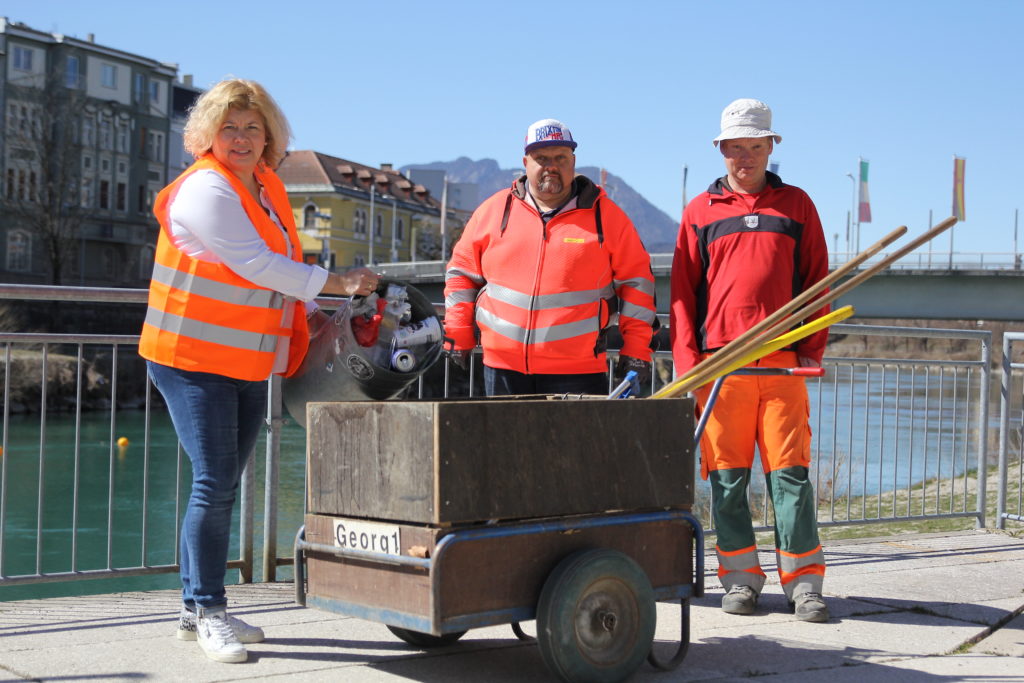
point(538, 335)
point(219, 291)
point(460, 297)
point(639, 312)
point(210, 332)
point(545, 302)
point(638, 283)
point(790, 564)
point(456, 272)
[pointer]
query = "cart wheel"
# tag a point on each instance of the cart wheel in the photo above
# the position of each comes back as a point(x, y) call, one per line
point(425, 640)
point(596, 617)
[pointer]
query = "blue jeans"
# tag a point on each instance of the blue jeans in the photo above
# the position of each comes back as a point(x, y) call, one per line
point(499, 382)
point(217, 420)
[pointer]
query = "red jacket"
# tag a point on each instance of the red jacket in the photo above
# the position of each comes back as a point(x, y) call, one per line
point(738, 259)
point(542, 295)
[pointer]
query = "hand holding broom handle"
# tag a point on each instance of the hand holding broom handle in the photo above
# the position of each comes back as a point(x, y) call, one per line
point(785, 317)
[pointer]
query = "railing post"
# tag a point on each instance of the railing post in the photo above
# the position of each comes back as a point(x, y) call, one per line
point(1004, 428)
point(274, 423)
point(986, 383)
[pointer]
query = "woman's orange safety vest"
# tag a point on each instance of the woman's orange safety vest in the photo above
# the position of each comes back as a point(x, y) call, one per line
point(203, 316)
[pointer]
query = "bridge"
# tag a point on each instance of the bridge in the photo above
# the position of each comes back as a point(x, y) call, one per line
point(924, 286)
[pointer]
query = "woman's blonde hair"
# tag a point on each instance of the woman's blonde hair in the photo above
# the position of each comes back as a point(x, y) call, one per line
point(210, 110)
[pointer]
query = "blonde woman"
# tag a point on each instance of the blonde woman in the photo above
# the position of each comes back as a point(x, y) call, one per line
point(225, 312)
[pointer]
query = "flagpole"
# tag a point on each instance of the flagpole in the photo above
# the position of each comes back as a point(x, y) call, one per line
point(686, 170)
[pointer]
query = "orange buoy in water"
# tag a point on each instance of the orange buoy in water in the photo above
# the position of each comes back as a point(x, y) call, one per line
point(123, 442)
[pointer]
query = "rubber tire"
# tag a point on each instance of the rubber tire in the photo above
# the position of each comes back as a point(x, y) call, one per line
point(575, 646)
point(425, 641)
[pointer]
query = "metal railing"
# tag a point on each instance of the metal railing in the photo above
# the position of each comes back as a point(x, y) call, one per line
point(1011, 433)
point(928, 416)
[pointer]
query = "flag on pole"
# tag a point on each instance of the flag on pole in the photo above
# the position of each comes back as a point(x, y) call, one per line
point(774, 167)
point(959, 164)
point(864, 204)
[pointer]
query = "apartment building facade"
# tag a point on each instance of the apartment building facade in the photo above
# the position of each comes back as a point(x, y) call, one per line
point(83, 152)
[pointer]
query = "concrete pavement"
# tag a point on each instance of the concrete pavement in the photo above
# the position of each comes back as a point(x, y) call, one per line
point(942, 607)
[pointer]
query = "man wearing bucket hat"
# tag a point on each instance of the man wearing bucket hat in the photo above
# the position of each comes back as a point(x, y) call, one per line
point(541, 271)
point(746, 247)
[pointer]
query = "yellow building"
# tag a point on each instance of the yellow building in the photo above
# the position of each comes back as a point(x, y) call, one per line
point(338, 204)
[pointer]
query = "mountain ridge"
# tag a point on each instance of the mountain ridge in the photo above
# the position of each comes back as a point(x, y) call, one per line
point(657, 230)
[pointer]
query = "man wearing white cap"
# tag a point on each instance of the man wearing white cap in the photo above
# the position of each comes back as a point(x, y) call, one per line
point(747, 246)
point(541, 271)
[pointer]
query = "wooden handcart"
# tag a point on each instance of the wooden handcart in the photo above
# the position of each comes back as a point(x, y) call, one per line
point(438, 517)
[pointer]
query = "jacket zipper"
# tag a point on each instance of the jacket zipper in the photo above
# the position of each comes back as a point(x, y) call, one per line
point(533, 297)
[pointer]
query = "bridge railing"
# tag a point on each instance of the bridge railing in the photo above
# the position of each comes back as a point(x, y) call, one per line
point(896, 439)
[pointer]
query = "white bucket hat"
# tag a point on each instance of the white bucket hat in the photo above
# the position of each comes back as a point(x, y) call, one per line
point(746, 118)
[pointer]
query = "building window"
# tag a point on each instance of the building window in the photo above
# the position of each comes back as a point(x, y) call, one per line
point(154, 92)
point(122, 137)
point(19, 251)
point(309, 216)
point(22, 191)
point(155, 145)
point(140, 88)
point(72, 79)
point(378, 226)
point(359, 222)
point(399, 230)
point(104, 194)
point(33, 189)
point(122, 197)
point(105, 165)
point(108, 76)
point(122, 168)
point(10, 183)
point(86, 196)
point(88, 132)
point(359, 260)
point(22, 58)
point(106, 135)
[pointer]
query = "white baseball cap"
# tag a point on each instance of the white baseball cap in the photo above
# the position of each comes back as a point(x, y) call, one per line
point(746, 118)
point(548, 133)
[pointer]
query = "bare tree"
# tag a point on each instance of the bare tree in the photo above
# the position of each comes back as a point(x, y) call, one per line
point(42, 176)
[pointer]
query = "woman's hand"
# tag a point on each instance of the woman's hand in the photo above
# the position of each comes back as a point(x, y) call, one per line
point(358, 282)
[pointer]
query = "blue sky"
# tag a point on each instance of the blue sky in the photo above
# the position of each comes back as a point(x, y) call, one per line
point(905, 84)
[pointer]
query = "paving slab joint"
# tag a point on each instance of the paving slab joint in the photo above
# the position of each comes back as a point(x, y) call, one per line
point(966, 646)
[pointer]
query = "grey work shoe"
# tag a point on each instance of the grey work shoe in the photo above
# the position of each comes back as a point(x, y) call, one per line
point(810, 607)
point(739, 600)
point(243, 631)
point(216, 637)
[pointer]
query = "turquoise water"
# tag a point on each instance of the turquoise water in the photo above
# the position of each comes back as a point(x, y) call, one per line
point(75, 532)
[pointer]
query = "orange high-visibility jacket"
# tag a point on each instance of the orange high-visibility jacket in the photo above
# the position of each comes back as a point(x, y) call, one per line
point(205, 317)
point(542, 296)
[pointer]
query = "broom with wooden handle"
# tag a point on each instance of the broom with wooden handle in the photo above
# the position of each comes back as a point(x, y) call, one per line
point(785, 318)
point(725, 354)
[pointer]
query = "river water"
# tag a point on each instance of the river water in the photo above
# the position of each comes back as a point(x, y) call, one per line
point(867, 441)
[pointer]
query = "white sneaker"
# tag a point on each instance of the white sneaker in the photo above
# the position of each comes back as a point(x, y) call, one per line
point(243, 631)
point(217, 638)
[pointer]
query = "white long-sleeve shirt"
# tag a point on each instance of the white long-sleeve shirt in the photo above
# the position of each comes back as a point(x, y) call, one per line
point(209, 223)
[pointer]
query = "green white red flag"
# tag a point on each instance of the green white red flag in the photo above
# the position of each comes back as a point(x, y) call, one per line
point(864, 203)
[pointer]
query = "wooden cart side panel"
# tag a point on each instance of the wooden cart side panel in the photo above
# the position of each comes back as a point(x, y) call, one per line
point(367, 584)
point(371, 459)
point(526, 459)
point(500, 573)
